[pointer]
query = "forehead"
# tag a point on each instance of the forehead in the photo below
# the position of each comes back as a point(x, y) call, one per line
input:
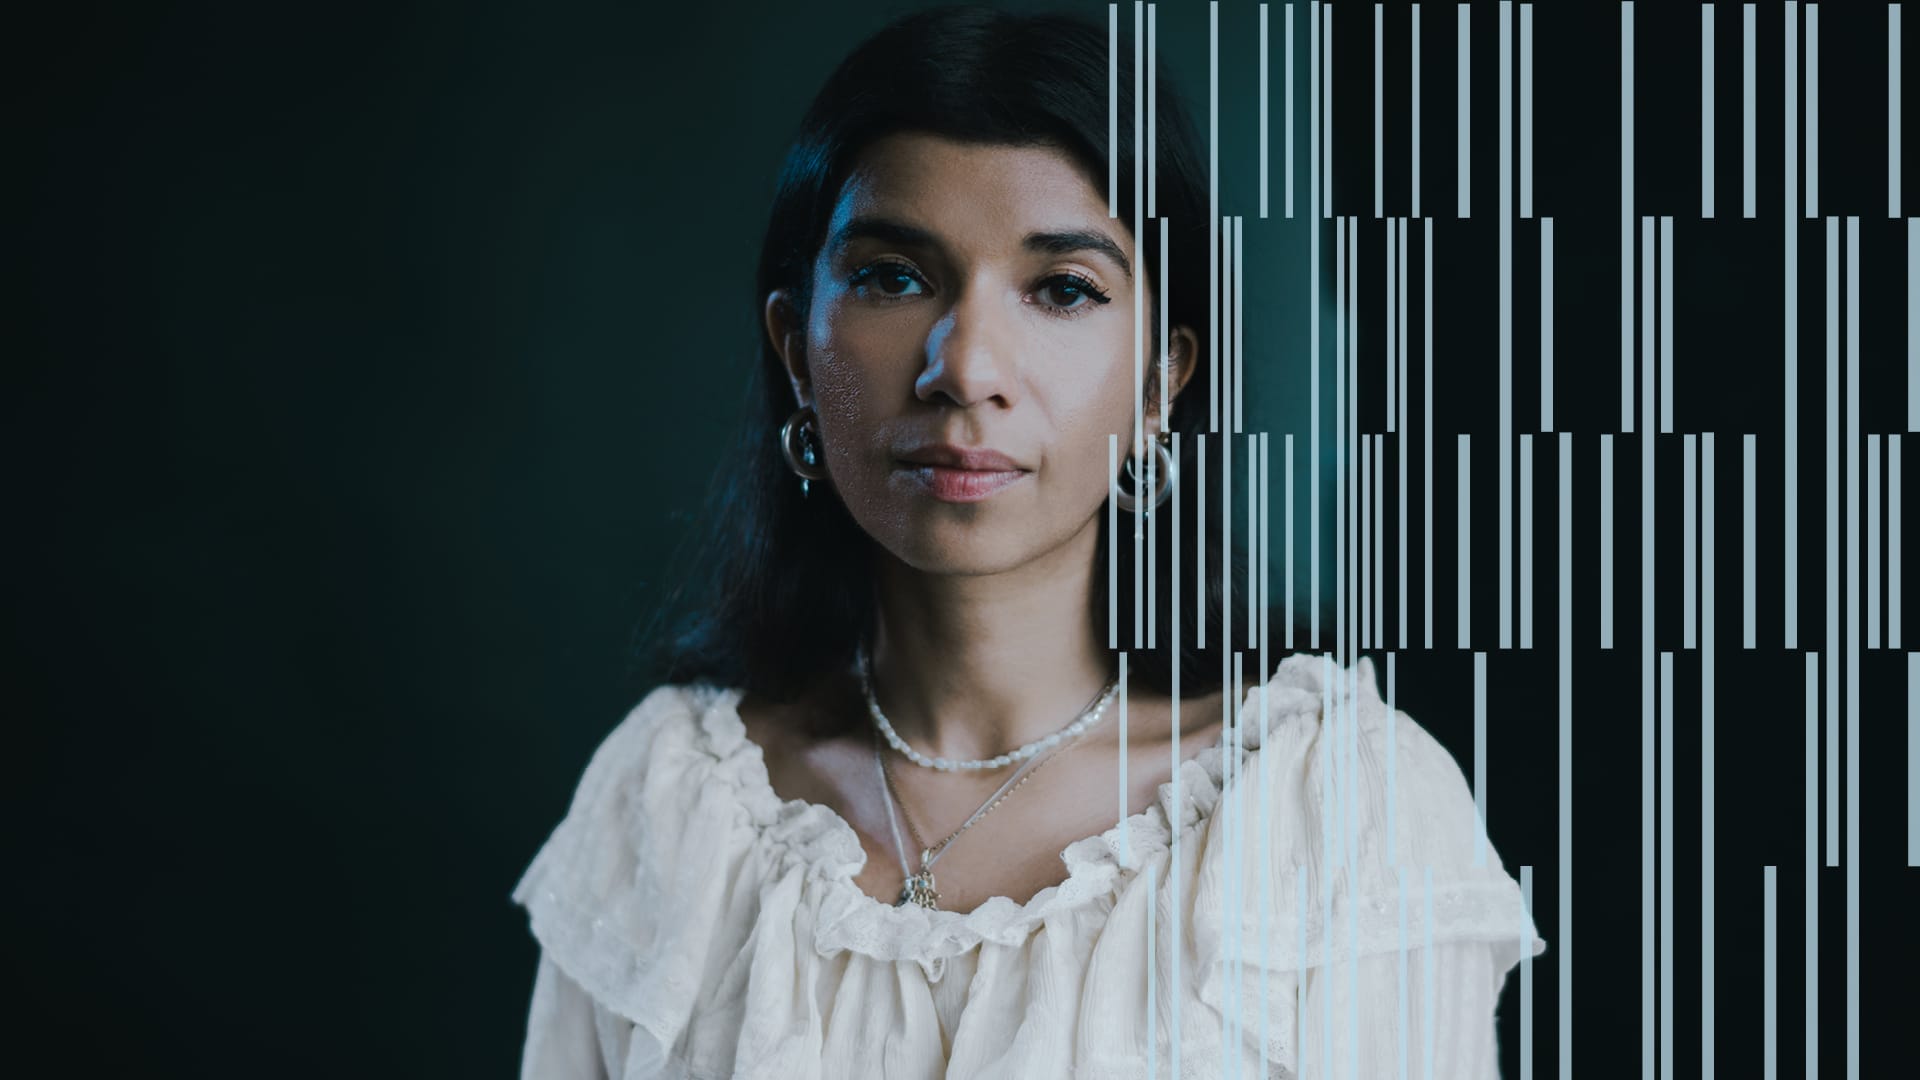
point(971, 190)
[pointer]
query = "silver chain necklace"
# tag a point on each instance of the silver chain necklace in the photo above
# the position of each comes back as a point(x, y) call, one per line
point(1088, 717)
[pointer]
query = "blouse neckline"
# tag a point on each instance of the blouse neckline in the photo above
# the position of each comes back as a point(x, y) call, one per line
point(815, 840)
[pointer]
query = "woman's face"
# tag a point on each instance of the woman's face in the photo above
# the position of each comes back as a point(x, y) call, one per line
point(969, 349)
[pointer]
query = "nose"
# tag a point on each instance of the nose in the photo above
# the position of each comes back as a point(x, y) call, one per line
point(971, 356)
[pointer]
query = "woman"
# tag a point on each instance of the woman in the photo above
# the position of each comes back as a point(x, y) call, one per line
point(868, 828)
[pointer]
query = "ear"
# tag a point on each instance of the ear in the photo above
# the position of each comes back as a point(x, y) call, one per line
point(787, 331)
point(1183, 359)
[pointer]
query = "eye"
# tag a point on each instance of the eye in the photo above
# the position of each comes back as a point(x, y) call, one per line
point(1072, 294)
point(886, 280)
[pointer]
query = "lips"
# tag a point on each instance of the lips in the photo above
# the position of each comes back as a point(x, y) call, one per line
point(958, 474)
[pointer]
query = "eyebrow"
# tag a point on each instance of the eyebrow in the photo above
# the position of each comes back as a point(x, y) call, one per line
point(1061, 242)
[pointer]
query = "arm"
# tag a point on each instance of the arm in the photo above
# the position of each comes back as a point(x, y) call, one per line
point(1450, 993)
point(562, 1043)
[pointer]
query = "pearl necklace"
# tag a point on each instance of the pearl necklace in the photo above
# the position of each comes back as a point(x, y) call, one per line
point(1087, 718)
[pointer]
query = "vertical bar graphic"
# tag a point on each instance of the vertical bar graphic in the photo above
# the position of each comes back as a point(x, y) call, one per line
point(1139, 337)
point(1769, 977)
point(1706, 111)
point(1480, 758)
point(1213, 221)
point(1113, 109)
point(1873, 541)
point(1313, 333)
point(1606, 541)
point(1153, 98)
point(1326, 109)
point(1666, 324)
point(1913, 324)
point(1565, 616)
point(1687, 539)
point(1505, 457)
point(1833, 536)
point(1747, 125)
point(1465, 550)
point(1401, 377)
point(1463, 146)
point(1893, 110)
point(1152, 1018)
point(1811, 931)
point(1748, 570)
point(1708, 833)
point(1263, 111)
point(1666, 864)
point(1526, 978)
point(1290, 107)
point(1893, 541)
point(1546, 323)
point(1853, 647)
point(1526, 541)
point(1379, 543)
point(1290, 616)
point(1812, 118)
point(1913, 759)
point(1526, 111)
point(1626, 217)
point(1379, 117)
point(1426, 422)
point(1394, 306)
point(1364, 569)
point(1113, 550)
point(1790, 304)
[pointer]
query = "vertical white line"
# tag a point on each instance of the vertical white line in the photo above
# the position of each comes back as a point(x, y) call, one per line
point(1379, 543)
point(1228, 366)
point(1526, 977)
point(1153, 112)
point(1340, 562)
point(1706, 110)
point(1200, 550)
point(1747, 126)
point(1174, 624)
point(1379, 122)
point(1263, 111)
point(1364, 569)
point(1526, 541)
point(1546, 324)
point(1852, 558)
point(1290, 107)
point(1139, 331)
point(1707, 754)
point(1152, 1020)
point(1465, 548)
point(1526, 111)
point(1913, 324)
point(1120, 789)
point(1505, 457)
point(1113, 540)
point(1913, 759)
point(1414, 157)
point(1404, 1059)
point(1893, 110)
point(1812, 117)
point(1666, 864)
point(1112, 112)
point(1687, 542)
point(1790, 304)
point(1626, 217)
point(1401, 377)
point(1769, 965)
point(1313, 332)
point(1893, 542)
point(1326, 108)
point(1606, 541)
point(1833, 540)
point(1873, 541)
point(1426, 422)
point(1811, 931)
point(1480, 758)
point(1153, 522)
point(1256, 552)
point(1289, 540)
point(1748, 569)
point(1565, 616)
point(1394, 329)
point(1463, 146)
point(1300, 950)
point(1666, 324)
point(1213, 219)
point(1427, 995)
point(1239, 320)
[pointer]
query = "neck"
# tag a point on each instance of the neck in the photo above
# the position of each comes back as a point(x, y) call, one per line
point(975, 666)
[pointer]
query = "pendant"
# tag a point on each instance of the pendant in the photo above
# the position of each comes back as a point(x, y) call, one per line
point(919, 890)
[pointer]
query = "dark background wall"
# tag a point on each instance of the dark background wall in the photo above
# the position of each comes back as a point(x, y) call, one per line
point(365, 367)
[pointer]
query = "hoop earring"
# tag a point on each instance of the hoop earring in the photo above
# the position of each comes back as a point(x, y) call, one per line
point(1166, 473)
point(806, 462)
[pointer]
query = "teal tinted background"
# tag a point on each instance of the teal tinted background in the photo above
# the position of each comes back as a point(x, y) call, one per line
point(368, 367)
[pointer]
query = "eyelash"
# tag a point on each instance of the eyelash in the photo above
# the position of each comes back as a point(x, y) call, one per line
point(1087, 288)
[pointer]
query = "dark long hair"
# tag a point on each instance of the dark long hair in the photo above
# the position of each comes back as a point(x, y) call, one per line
point(784, 589)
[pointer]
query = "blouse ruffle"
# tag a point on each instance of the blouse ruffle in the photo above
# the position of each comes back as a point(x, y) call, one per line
point(685, 898)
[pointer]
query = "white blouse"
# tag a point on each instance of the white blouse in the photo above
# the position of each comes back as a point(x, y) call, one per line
point(694, 925)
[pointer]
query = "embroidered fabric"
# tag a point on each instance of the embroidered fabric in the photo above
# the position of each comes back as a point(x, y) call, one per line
point(682, 895)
